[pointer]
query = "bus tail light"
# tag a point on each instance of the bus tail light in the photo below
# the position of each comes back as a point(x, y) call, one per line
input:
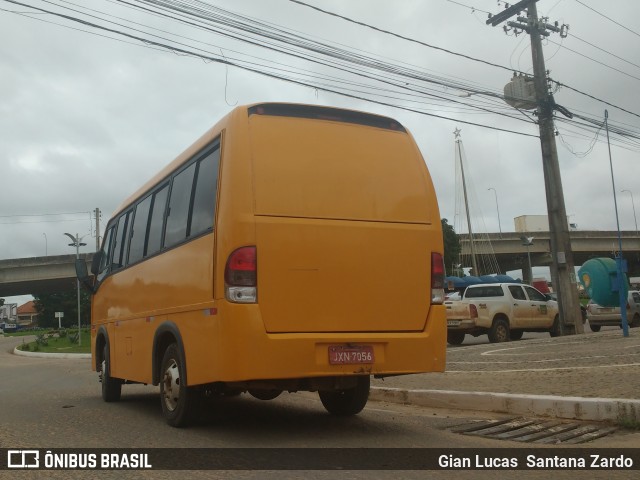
point(240, 276)
point(437, 278)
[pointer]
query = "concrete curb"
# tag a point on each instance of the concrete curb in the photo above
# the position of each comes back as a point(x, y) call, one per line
point(50, 355)
point(579, 408)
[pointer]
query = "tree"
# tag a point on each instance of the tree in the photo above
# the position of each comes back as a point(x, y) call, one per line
point(451, 246)
point(47, 304)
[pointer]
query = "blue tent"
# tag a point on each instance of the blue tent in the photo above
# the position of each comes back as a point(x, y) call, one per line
point(506, 279)
point(464, 282)
point(488, 279)
point(456, 282)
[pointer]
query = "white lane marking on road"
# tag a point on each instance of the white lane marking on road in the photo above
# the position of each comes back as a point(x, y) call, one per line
point(547, 360)
point(545, 369)
point(522, 347)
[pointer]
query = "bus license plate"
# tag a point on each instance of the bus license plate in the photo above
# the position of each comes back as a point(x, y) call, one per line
point(453, 323)
point(343, 355)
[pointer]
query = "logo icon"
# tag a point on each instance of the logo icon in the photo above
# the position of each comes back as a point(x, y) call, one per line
point(23, 459)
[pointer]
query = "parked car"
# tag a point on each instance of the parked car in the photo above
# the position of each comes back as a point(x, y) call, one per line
point(503, 311)
point(453, 296)
point(583, 310)
point(600, 316)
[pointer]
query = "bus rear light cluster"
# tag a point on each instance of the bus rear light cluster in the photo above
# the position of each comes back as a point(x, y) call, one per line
point(240, 276)
point(437, 279)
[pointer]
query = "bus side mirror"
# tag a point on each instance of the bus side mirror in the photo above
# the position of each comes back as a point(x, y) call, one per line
point(95, 263)
point(83, 276)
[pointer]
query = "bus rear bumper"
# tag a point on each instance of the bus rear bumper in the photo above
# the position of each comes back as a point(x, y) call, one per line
point(237, 350)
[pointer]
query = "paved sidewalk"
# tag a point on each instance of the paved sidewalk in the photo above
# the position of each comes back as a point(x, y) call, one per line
point(589, 376)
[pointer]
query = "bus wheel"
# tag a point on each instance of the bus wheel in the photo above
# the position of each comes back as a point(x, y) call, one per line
point(177, 400)
point(265, 394)
point(347, 402)
point(455, 338)
point(111, 387)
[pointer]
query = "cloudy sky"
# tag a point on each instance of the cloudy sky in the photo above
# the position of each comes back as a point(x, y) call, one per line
point(88, 114)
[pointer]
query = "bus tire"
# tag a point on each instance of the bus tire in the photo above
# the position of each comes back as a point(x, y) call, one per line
point(178, 401)
point(265, 394)
point(349, 401)
point(111, 387)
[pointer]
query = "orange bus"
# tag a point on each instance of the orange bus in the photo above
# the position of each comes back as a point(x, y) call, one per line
point(290, 248)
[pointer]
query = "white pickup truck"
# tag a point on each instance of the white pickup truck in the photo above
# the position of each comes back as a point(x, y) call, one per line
point(503, 311)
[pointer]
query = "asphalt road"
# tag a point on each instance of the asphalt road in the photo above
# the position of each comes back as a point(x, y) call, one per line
point(56, 403)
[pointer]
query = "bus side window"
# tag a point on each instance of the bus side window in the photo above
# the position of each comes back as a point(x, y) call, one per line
point(119, 242)
point(178, 212)
point(157, 219)
point(139, 233)
point(106, 253)
point(204, 199)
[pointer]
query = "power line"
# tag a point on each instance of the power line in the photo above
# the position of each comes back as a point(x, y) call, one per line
point(453, 53)
point(29, 15)
point(404, 85)
point(608, 18)
point(594, 60)
point(470, 7)
point(321, 48)
point(594, 98)
point(413, 40)
point(42, 214)
point(298, 82)
point(342, 55)
point(605, 51)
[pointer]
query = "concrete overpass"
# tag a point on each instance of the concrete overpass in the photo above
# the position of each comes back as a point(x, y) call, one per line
point(26, 276)
point(512, 255)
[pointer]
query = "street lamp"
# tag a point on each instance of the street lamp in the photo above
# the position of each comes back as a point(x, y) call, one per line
point(498, 209)
point(77, 243)
point(634, 209)
point(45, 244)
point(528, 241)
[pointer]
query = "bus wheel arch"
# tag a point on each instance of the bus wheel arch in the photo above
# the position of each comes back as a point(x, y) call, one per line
point(111, 387)
point(102, 340)
point(166, 334)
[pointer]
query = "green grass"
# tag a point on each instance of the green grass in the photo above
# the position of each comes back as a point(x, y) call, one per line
point(629, 423)
point(24, 333)
point(55, 343)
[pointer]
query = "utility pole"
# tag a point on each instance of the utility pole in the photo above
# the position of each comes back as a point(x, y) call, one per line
point(562, 267)
point(474, 261)
point(97, 214)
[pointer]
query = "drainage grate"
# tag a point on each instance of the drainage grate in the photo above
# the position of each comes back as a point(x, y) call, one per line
point(536, 430)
